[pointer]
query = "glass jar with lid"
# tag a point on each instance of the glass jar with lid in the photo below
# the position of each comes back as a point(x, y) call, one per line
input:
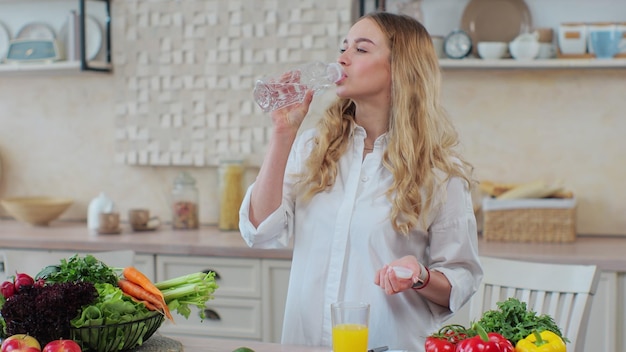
point(185, 202)
point(231, 175)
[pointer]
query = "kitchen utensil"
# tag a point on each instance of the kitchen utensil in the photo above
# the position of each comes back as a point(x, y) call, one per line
point(573, 38)
point(93, 36)
point(36, 30)
point(37, 211)
point(495, 20)
point(109, 223)
point(525, 46)
point(5, 38)
point(492, 50)
point(140, 220)
point(605, 43)
point(100, 204)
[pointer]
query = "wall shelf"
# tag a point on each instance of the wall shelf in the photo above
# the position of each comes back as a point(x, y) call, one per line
point(473, 63)
point(27, 9)
point(51, 68)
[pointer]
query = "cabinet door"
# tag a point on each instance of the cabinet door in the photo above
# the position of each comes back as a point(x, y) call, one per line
point(275, 283)
point(235, 277)
point(235, 312)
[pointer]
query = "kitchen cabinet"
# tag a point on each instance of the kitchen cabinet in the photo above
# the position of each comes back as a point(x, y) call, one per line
point(94, 34)
point(248, 304)
point(275, 278)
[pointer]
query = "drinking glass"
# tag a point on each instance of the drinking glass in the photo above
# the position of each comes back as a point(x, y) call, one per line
point(350, 322)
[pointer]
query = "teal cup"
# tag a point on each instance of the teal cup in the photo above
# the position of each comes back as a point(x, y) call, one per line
point(605, 43)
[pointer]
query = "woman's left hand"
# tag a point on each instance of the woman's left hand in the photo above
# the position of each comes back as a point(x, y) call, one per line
point(387, 279)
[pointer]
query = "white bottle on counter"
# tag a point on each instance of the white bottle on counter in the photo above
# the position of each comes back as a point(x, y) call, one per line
point(100, 204)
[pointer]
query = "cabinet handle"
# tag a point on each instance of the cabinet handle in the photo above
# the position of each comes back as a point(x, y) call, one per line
point(217, 276)
point(211, 314)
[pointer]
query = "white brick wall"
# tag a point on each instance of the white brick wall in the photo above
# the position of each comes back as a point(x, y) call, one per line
point(185, 70)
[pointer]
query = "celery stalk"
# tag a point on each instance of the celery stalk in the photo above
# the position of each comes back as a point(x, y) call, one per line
point(192, 289)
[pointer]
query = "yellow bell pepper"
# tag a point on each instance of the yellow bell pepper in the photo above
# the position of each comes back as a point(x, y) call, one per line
point(546, 341)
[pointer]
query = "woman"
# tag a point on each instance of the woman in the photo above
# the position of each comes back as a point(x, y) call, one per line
point(376, 185)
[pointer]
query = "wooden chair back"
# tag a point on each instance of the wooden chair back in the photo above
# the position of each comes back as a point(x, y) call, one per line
point(563, 291)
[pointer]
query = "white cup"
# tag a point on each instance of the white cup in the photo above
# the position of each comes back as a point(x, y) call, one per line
point(573, 38)
point(546, 51)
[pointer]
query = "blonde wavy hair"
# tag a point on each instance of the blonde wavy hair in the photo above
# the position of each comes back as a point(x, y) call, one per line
point(421, 137)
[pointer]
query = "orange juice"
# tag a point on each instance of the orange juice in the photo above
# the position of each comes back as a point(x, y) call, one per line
point(350, 338)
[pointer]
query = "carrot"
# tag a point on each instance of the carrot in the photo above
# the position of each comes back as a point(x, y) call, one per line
point(137, 277)
point(141, 294)
point(148, 305)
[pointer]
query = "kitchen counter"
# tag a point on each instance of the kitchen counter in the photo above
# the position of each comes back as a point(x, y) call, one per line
point(226, 345)
point(206, 241)
point(604, 251)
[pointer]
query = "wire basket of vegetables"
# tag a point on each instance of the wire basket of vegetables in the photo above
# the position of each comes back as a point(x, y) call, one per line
point(97, 306)
point(117, 337)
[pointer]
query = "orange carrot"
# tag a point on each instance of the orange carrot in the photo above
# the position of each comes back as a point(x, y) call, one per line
point(141, 294)
point(137, 277)
point(148, 305)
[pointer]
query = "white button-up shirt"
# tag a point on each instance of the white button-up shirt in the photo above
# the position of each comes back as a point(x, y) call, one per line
point(342, 236)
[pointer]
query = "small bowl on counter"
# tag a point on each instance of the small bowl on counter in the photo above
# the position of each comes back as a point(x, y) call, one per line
point(492, 50)
point(36, 211)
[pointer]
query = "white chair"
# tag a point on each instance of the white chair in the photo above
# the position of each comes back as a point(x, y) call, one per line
point(32, 261)
point(563, 291)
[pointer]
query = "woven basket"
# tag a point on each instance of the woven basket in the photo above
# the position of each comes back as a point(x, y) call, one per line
point(529, 220)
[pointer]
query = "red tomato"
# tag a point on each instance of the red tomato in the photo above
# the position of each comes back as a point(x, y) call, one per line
point(438, 344)
point(62, 346)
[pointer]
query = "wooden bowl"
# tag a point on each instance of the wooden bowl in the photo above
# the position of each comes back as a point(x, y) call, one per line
point(37, 211)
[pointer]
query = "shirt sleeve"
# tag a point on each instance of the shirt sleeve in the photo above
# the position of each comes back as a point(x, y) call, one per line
point(454, 244)
point(276, 230)
point(273, 232)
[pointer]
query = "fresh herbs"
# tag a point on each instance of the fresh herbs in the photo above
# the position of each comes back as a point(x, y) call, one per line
point(76, 268)
point(514, 321)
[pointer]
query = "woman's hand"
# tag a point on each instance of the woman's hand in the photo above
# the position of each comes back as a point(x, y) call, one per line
point(387, 279)
point(290, 117)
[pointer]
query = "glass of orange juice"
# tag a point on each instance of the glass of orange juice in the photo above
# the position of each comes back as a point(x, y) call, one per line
point(350, 326)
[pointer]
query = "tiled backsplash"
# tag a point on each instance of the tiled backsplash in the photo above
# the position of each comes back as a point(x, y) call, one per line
point(188, 68)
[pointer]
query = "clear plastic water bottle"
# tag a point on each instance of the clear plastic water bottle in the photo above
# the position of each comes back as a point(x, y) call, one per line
point(276, 92)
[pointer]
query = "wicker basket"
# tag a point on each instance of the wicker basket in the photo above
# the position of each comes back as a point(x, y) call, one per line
point(529, 220)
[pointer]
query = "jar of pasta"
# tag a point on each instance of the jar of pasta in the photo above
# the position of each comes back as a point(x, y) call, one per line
point(185, 202)
point(231, 192)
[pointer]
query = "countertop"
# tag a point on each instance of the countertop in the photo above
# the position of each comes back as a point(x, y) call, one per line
point(605, 251)
point(226, 345)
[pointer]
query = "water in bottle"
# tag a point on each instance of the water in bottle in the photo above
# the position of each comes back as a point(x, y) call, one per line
point(274, 93)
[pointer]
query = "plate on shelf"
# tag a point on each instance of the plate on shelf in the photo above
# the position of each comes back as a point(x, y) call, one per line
point(5, 39)
point(36, 30)
point(495, 20)
point(93, 39)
